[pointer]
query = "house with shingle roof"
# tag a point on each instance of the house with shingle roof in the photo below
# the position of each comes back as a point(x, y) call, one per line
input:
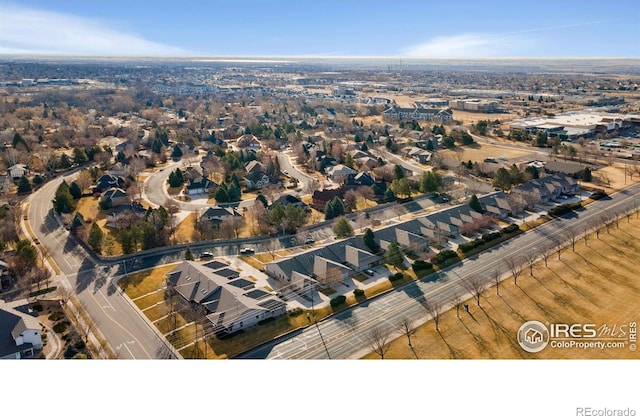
point(20, 331)
point(230, 305)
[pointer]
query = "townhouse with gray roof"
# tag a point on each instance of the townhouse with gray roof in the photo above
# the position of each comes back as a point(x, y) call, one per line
point(232, 304)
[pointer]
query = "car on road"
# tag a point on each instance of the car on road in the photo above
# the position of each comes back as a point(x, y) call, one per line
point(247, 250)
point(504, 159)
point(369, 272)
point(206, 255)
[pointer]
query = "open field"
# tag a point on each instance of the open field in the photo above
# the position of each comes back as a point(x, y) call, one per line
point(480, 151)
point(467, 117)
point(598, 283)
point(616, 175)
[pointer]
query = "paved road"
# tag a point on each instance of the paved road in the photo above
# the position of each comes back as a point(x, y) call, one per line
point(128, 332)
point(345, 335)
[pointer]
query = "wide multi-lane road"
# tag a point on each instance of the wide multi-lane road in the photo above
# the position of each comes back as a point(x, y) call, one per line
point(128, 332)
point(346, 334)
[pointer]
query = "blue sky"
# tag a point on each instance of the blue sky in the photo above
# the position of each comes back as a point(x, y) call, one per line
point(424, 29)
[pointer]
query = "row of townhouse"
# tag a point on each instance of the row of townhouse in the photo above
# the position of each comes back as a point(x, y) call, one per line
point(337, 262)
point(443, 116)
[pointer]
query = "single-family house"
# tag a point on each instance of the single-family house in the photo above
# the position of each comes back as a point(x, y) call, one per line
point(107, 181)
point(248, 141)
point(256, 180)
point(255, 166)
point(20, 331)
point(18, 170)
point(215, 215)
point(114, 197)
point(199, 186)
point(320, 198)
point(339, 173)
point(289, 199)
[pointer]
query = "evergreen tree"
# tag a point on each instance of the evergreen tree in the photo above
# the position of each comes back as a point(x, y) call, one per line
point(369, 240)
point(389, 196)
point(222, 195)
point(399, 173)
point(79, 155)
point(262, 199)
point(474, 204)
point(24, 186)
point(75, 190)
point(188, 255)
point(501, 179)
point(176, 153)
point(63, 202)
point(430, 145)
point(585, 175)
point(64, 162)
point(96, 238)
point(393, 256)
point(430, 182)
point(342, 228)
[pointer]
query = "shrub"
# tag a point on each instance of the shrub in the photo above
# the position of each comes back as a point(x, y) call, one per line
point(338, 300)
point(443, 257)
point(511, 228)
point(564, 209)
point(60, 327)
point(598, 194)
point(358, 293)
point(70, 352)
point(295, 312)
point(56, 316)
point(38, 308)
point(421, 265)
point(79, 344)
point(395, 277)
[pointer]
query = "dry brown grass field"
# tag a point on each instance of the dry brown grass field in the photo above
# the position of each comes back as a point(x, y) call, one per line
point(480, 151)
point(467, 117)
point(598, 283)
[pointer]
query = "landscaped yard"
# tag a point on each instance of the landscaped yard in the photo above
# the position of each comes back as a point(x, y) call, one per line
point(597, 283)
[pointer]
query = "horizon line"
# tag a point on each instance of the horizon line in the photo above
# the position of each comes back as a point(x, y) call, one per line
point(289, 57)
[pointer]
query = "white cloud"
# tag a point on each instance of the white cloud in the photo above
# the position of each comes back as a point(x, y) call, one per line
point(464, 45)
point(37, 32)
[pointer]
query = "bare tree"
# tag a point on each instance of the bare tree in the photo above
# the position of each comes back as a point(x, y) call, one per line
point(456, 302)
point(545, 254)
point(406, 328)
point(474, 285)
point(586, 229)
point(64, 293)
point(531, 257)
point(435, 310)
point(496, 280)
point(312, 185)
point(272, 246)
point(366, 193)
point(515, 268)
point(558, 249)
point(379, 341)
point(399, 209)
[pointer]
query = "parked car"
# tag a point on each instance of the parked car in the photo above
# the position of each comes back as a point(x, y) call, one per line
point(206, 255)
point(309, 240)
point(247, 250)
point(369, 272)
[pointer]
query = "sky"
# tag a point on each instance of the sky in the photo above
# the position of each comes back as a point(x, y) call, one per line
point(313, 28)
